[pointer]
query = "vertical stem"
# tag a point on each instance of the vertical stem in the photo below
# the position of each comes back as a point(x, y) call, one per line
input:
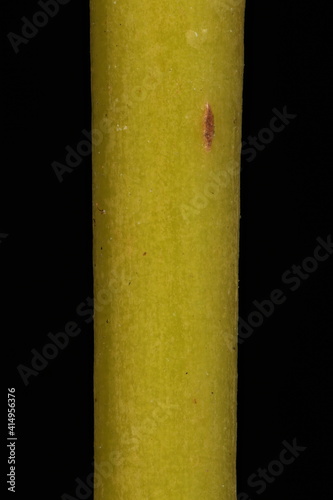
point(167, 102)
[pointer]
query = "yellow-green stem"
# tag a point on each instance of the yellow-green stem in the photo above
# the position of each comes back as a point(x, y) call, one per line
point(167, 102)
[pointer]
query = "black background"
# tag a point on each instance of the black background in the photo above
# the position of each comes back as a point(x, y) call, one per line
point(45, 248)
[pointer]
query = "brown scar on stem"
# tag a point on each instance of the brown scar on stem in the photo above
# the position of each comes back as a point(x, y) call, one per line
point(100, 209)
point(208, 127)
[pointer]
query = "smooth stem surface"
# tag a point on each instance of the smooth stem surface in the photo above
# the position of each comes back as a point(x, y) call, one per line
point(167, 102)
